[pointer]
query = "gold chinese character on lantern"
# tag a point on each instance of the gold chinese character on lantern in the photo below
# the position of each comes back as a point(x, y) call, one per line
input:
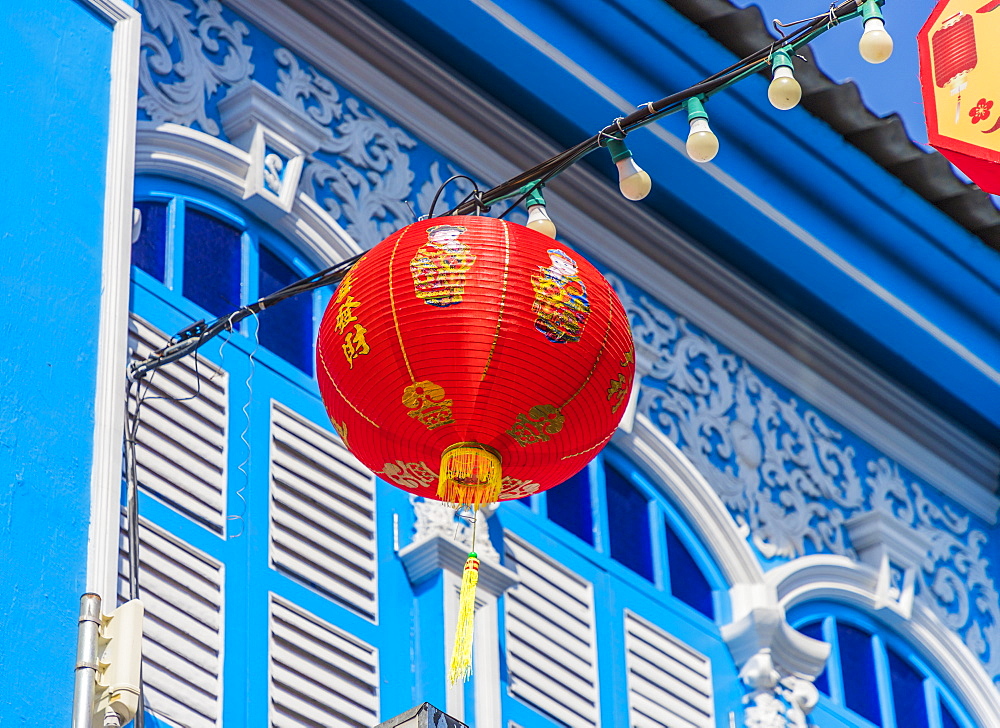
point(355, 344)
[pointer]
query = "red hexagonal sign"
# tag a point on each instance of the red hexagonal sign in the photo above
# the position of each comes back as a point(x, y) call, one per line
point(959, 49)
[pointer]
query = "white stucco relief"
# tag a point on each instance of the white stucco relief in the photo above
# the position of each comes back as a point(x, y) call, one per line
point(786, 474)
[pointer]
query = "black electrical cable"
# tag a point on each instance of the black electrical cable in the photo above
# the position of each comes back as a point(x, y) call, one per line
point(192, 338)
point(650, 112)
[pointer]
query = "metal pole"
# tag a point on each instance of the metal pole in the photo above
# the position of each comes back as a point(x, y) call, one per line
point(86, 661)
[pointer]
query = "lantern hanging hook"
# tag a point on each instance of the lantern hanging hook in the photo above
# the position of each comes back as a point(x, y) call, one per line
point(475, 194)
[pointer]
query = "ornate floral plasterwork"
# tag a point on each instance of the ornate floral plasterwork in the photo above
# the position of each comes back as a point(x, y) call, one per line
point(369, 180)
point(187, 54)
point(775, 700)
point(792, 479)
point(361, 174)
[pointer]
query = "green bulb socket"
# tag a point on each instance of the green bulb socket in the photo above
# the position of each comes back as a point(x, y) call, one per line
point(618, 150)
point(535, 197)
point(782, 58)
point(695, 109)
point(871, 10)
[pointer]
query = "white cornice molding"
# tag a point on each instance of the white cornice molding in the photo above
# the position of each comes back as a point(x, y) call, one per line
point(193, 156)
point(112, 346)
point(427, 558)
point(344, 41)
point(839, 579)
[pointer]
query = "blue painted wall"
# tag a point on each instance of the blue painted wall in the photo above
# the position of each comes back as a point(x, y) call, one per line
point(52, 213)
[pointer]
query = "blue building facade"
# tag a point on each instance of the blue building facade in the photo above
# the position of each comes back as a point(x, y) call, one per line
point(795, 524)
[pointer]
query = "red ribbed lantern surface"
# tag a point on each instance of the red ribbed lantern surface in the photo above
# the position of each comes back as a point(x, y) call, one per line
point(481, 341)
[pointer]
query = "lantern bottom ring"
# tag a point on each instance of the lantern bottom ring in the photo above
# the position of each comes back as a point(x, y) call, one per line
point(470, 474)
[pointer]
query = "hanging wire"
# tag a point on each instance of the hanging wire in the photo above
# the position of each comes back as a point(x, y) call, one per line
point(241, 517)
point(441, 187)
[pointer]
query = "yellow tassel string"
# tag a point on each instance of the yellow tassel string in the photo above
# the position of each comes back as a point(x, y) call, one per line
point(470, 475)
point(461, 654)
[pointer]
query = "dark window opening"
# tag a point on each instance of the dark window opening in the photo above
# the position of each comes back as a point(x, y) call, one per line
point(687, 580)
point(286, 329)
point(149, 251)
point(628, 524)
point(212, 254)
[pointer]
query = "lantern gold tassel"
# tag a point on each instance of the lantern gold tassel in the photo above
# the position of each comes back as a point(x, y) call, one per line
point(470, 475)
point(461, 653)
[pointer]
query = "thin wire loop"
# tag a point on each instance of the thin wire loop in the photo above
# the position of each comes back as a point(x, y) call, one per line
point(437, 195)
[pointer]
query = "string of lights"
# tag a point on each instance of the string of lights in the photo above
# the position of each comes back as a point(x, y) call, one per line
point(702, 145)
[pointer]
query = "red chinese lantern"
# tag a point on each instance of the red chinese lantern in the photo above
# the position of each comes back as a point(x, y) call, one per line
point(471, 360)
point(474, 360)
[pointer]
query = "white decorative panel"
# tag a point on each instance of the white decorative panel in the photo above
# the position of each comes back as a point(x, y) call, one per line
point(320, 675)
point(322, 512)
point(182, 591)
point(181, 448)
point(550, 637)
point(669, 683)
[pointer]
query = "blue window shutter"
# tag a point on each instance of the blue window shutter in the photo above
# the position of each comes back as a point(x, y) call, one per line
point(182, 437)
point(322, 514)
point(182, 592)
point(669, 683)
point(551, 653)
point(319, 674)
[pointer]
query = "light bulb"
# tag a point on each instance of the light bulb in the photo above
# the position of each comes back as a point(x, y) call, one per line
point(784, 92)
point(702, 144)
point(633, 181)
point(540, 222)
point(875, 45)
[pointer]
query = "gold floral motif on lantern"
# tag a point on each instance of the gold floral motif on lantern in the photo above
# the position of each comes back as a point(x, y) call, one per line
point(537, 425)
point(428, 404)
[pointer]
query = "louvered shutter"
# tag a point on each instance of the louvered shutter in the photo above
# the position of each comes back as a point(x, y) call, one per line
point(181, 590)
point(322, 512)
point(550, 637)
point(669, 683)
point(320, 675)
point(181, 448)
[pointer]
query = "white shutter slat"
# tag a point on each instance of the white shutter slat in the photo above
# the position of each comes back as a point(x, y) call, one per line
point(181, 589)
point(302, 434)
point(669, 683)
point(541, 638)
point(550, 637)
point(182, 439)
point(303, 491)
point(322, 513)
point(319, 675)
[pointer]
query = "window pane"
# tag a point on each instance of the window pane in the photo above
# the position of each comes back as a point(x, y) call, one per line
point(149, 251)
point(211, 263)
point(286, 329)
point(907, 693)
point(628, 524)
point(815, 630)
point(947, 719)
point(857, 667)
point(687, 581)
point(569, 505)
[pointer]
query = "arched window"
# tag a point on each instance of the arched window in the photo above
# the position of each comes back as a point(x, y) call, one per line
point(617, 598)
point(257, 528)
point(872, 677)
